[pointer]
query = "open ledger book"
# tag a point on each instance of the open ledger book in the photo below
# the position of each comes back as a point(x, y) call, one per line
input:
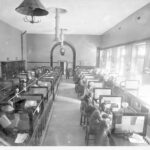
point(21, 137)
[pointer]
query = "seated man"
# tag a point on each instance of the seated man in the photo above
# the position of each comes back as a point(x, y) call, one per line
point(79, 88)
point(102, 138)
point(106, 114)
point(99, 125)
point(83, 105)
point(91, 86)
point(16, 118)
point(8, 120)
point(87, 91)
point(85, 102)
point(89, 110)
point(94, 120)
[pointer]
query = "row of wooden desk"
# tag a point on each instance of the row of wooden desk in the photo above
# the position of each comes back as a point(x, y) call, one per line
point(117, 139)
point(31, 109)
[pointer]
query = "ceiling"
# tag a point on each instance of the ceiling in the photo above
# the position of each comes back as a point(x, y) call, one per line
point(93, 17)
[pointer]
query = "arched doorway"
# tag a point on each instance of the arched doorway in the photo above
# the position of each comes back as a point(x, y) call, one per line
point(67, 44)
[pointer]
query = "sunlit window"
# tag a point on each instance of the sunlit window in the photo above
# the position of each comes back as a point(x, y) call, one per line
point(123, 52)
point(118, 53)
point(141, 50)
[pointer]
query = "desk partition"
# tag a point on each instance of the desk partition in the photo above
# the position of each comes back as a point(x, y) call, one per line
point(130, 123)
point(96, 83)
point(115, 101)
point(89, 77)
point(97, 92)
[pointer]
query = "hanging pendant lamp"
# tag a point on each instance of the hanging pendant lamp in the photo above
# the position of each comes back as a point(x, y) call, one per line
point(31, 9)
point(62, 49)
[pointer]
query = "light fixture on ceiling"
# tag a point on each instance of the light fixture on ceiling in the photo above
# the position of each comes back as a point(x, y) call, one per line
point(59, 37)
point(57, 12)
point(62, 49)
point(31, 9)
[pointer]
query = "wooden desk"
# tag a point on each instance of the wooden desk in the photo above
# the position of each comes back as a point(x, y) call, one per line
point(120, 140)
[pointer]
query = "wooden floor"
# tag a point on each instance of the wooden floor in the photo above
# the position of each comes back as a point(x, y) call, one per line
point(64, 128)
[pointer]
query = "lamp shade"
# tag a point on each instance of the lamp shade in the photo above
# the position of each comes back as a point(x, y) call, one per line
point(32, 8)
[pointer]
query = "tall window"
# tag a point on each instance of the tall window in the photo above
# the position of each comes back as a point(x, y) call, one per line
point(103, 59)
point(138, 55)
point(121, 55)
point(108, 62)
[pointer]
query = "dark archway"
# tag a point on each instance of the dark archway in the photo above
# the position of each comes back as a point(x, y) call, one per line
point(65, 43)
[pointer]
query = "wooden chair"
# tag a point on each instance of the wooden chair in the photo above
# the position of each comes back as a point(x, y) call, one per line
point(88, 134)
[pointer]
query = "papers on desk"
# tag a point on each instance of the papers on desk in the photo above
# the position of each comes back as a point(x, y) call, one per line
point(21, 137)
point(38, 109)
point(136, 138)
point(30, 103)
point(4, 121)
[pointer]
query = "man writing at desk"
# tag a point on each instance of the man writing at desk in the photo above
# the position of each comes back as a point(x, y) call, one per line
point(100, 124)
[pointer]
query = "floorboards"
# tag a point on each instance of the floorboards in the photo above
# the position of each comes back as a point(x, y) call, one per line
point(64, 128)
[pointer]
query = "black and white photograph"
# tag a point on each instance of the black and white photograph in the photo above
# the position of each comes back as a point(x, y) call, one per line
point(75, 74)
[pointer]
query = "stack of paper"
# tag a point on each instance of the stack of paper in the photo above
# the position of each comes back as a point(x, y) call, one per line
point(38, 109)
point(136, 138)
point(31, 103)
